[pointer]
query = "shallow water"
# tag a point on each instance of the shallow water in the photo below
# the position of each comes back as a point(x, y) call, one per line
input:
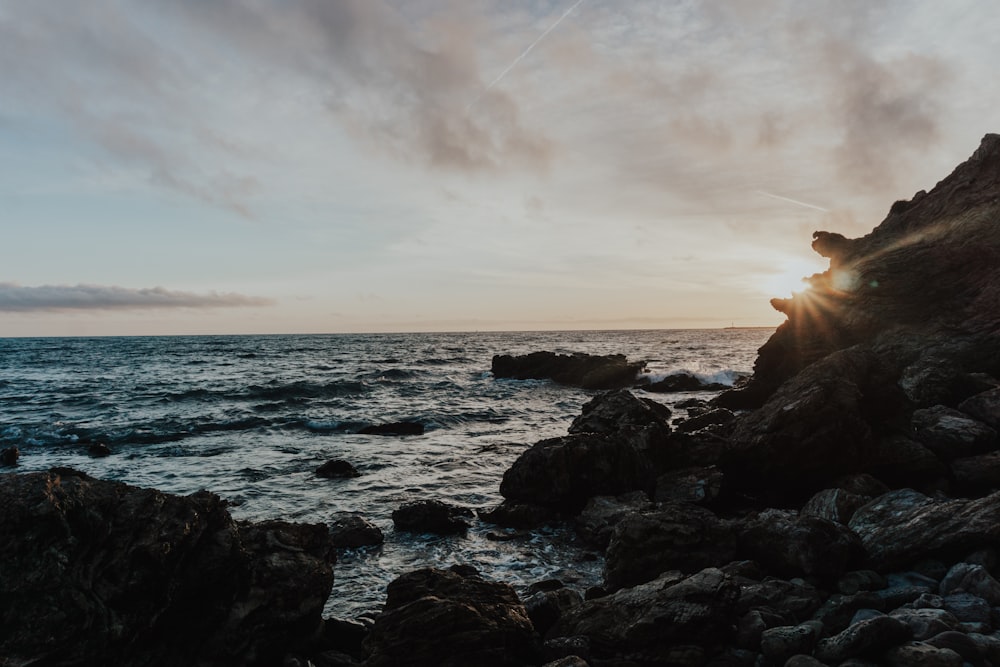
point(251, 417)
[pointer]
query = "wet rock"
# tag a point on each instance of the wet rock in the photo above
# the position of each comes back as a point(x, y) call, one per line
point(867, 638)
point(395, 428)
point(904, 526)
point(517, 515)
point(98, 450)
point(115, 574)
point(835, 505)
point(563, 473)
point(337, 469)
point(611, 371)
point(926, 623)
point(919, 654)
point(615, 410)
point(675, 537)
point(657, 622)
point(696, 485)
point(353, 531)
point(431, 516)
point(544, 608)
point(788, 545)
point(974, 579)
point(952, 434)
point(985, 407)
point(9, 456)
point(602, 513)
point(440, 617)
point(679, 382)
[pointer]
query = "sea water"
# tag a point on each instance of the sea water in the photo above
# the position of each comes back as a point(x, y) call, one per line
point(251, 418)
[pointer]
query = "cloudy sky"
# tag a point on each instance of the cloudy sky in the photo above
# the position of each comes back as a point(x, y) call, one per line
point(229, 166)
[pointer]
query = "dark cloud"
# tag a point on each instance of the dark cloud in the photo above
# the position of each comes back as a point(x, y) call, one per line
point(18, 298)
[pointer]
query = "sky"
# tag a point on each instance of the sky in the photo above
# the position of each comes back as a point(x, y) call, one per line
point(315, 166)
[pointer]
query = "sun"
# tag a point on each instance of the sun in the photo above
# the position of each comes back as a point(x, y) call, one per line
point(789, 274)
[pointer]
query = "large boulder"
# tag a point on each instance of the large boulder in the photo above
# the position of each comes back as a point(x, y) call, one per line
point(614, 411)
point(788, 545)
point(98, 572)
point(452, 618)
point(431, 516)
point(588, 371)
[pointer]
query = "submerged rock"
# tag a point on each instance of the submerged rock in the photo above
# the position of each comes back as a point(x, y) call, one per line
point(9, 456)
point(337, 469)
point(395, 428)
point(431, 516)
point(611, 371)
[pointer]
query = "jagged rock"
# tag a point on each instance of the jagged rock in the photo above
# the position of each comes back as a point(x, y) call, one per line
point(902, 527)
point(395, 428)
point(781, 643)
point(834, 505)
point(789, 545)
point(679, 382)
point(108, 573)
point(612, 411)
point(568, 661)
point(675, 537)
point(697, 485)
point(431, 516)
point(563, 473)
point(602, 513)
point(657, 622)
point(442, 617)
point(868, 637)
point(517, 515)
point(969, 578)
point(926, 623)
point(544, 608)
point(951, 434)
point(919, 654)
point(715, 417)
point(791, 602)
point(353, 531)
point(611, 371)
point(337, 469)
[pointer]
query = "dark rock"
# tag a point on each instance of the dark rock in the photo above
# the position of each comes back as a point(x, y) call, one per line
point(715, 417)
point(902, 527)
point(113, 574)
point(98, 450)
point(679, 382)
point(781, 643)
point(612, 411)
point(611, 371)
point(431, 516)
point(517, 515)
point(345, 635)
point(789, 545)
point(925, 623)
point(657, 622)
point(544, 608)
point(900, 461)
point(438, 617)
point(919, 654)
point(837, 612)
point(969, 578)
point(337, 469)
point(563, 473)
point(985, 407)
point(976, 475)
point(952, 434)
point(959, 642)
point(861, 484)
point(545, 585)
point(867, 638)
point(353, 531)
point(568, 661)
point(968, 608)
point(791, 602)
point(602, 513)
point(9, 456)
point(696, 485)
point(834, 505)
point(750, 629)
point(860, 580)
point(989, 647)
point(566, 647)
point(395, 428)
point(803, 661)
point(674, 537)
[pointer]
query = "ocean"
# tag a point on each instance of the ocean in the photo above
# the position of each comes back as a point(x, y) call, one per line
point(251, 417)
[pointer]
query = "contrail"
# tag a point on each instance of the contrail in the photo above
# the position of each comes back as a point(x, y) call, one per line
point(523, 54)
point(793, 201)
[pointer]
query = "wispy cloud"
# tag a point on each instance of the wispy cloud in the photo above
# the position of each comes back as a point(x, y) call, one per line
point(18, 298)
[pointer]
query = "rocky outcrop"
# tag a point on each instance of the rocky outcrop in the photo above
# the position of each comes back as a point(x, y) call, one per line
point(99, 572)
point(431, 516)
point(579, 370)
point(680, 382)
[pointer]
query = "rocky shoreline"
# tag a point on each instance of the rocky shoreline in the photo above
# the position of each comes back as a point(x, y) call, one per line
point(841, 508)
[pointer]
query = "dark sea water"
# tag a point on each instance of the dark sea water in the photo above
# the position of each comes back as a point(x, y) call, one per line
point(251, 417)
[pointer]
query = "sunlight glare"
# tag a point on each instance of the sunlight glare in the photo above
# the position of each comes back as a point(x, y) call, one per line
point(788, 276)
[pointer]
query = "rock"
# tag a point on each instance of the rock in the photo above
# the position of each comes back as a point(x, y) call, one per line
point(837, 612)
point(901, 461)
point(919, 654)
point(544, 608)
point(560, 648)
point(985, 407)
point(959, 642)
point(602, 513)
point(695, 485)
point(517, 515)
point(98, 450)
point(352, 531)
point(835, 505)
point(781, 643)
point(976, 475)
point(750, 630)
point(611, 371)
point(345, 635)
point(568, 661)
point(439, 617)
point(952, 434)
point(612, 411)
point(968, 608)
point(9, 456)
point(395, 428)
point(867, 638)
point(969, 578)
point(657, 622)
point(788, 545)
point(902, 527)
point(115, 574)
point(563, 473)
point(675, 537)
point(682, 382)
point(861, 484)
point(989, 646)
point(431, 516)
point(714, 417)
point(926, 623)
point(803, 661)
point(791, 602)
point(860, 580)
point(337, 469)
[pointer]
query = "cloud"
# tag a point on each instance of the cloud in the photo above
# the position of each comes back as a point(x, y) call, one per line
point(17, 298)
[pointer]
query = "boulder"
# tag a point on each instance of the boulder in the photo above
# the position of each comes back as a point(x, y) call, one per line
point(789, 545)
point(545, 608)
point(394, 428)
point(108, 573)
point(611, 371)
point(675, 537)
point(835, 505)
point(900, 461)
point(598, 519)
point(517, 515)
point(867, 638)
point(974, 579)
point(952, 434)
point(696, 485)
point(337, 469)
point(352, 531)
point(920, 654)
point(926, 623)
point(984, 406)
point(431, 516)
point(612, 411)
point(713, 417)
point(658, 621)
point(789, 602)
point(976, 475)
point(781, 643)
point(451, 618)
point(904, 526)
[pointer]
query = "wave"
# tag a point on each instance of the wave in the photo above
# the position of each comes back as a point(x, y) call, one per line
point(727, 377)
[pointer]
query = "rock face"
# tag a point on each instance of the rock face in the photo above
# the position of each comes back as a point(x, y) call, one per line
point(579, 370)
point(100, 572)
